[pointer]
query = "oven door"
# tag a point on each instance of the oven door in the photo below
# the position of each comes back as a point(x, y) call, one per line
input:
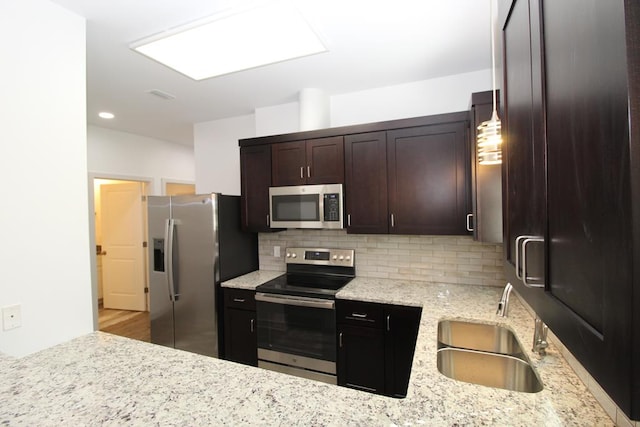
point(297, 331)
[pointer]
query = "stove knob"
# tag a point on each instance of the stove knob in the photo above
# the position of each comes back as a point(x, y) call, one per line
point(293, 255)
point(288, 255)
point(341, 257)
point(335, 257)
point(348, 258)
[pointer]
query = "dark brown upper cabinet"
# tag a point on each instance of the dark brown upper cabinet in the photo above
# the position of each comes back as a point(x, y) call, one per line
point(572, 178)
point(255, 179)
point(428, 179)
point(367, 208)
point(409, 181)
point(314, 161)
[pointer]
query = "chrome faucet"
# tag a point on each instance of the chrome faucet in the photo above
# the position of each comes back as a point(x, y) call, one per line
point(503, 304)
point(540, 343)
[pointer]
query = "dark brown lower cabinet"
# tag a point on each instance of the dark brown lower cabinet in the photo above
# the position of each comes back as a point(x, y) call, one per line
point(240, 341)
point(376, 343)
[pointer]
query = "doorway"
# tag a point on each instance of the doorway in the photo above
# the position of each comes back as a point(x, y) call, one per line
point(121, 260)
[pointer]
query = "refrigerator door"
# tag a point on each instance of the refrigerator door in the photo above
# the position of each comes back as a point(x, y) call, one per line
point(195, 271)
point(160, 301)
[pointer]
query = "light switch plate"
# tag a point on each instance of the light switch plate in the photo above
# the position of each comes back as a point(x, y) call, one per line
point(11, 317)
point(276, 251)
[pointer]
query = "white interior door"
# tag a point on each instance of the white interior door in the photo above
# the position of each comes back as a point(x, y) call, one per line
point(122, 236)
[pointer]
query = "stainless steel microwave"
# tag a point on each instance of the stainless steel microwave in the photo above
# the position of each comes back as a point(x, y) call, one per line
point(306, 206)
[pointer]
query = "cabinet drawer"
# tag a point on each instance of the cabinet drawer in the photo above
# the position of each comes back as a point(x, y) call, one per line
point(240, 298)
point(360, 313)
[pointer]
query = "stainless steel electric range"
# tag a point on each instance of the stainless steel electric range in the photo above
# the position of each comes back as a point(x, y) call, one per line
point(296, 313)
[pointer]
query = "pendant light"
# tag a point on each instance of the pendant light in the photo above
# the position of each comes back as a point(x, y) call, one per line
point(489, 133)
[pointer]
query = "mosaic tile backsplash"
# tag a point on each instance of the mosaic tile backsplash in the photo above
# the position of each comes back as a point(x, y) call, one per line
point(443, 259)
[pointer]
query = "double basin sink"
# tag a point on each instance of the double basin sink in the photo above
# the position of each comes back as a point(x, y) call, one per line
point(485, 354)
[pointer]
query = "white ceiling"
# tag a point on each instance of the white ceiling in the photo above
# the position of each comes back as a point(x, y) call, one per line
point(372, 43)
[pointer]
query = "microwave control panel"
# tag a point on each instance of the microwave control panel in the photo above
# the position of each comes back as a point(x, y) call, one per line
point(332, 207)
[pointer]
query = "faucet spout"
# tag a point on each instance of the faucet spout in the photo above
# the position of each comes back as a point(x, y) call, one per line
point(503, 304)
point(540, 343)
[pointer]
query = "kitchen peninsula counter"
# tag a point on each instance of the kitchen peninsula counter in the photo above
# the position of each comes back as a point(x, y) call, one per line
point(108, 380)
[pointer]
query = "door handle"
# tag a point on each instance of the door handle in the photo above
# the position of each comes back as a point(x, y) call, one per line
point(252, 322)
point(469, 227)
point(393, 222)
point(340, 340)
point(518, 240)
point(525, 242)
point(168, 257)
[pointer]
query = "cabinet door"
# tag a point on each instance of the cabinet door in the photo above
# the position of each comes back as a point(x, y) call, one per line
point(590, 266)
point(523, 142)
point(428, 179)
point(255, 179)
point(240, 336)
point(325, 160)
point(361, 363)
point(400, 342)
point(366, 183)
point(289, 163)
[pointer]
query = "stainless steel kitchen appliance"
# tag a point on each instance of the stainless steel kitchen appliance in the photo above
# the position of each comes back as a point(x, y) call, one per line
point(296, 313)
point(195, 243)
point(306, 206)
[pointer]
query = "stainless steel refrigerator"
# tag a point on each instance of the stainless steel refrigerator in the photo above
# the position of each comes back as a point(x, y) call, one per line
point(195, 242)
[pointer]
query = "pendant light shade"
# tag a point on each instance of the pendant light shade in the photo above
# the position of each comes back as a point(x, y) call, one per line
point(489, 141)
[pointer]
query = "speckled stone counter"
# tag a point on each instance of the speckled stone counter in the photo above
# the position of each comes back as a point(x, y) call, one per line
point(100, 379)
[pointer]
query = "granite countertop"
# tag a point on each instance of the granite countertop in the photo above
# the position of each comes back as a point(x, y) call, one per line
point(104, 379)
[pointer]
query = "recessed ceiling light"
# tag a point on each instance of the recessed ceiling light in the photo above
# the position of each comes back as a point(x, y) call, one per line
point(106, 115)
point(227, 43)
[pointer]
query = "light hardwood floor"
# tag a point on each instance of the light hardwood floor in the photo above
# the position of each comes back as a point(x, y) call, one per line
point(130, 324)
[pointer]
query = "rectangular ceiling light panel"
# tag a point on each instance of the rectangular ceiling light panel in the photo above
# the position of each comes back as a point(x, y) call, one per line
point(260, 36)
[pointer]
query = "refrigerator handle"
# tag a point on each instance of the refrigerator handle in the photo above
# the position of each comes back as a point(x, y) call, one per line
point(168, 254)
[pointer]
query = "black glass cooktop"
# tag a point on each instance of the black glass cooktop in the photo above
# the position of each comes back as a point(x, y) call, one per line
point(309, 285)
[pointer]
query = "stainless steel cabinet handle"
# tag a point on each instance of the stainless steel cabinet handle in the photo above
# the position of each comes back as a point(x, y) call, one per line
point(238, 300)
point(359, 315)
point(348, 220)
point(525, 242)
point(469, 227)
point(301, 172)
point(340, 340)
point(388, 322)
point(252, 322)
point(308, 171)
point(393, 222)
point(518, 240)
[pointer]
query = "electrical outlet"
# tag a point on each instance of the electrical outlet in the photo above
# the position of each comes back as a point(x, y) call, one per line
point(11, 317)
point(276, 251)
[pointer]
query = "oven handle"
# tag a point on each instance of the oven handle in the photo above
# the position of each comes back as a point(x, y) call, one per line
point(297, 301)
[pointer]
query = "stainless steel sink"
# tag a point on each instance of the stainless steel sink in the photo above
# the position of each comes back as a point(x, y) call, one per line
point(478, 336)
point(489, 355)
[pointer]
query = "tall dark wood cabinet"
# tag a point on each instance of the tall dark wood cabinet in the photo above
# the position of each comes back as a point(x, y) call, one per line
point(428, 179)
point(367, 205)
point(572, 178)
point(315, 161)
point(255, 179)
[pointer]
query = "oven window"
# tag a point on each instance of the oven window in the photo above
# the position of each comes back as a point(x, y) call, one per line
point(303, 331)
point(297, 207)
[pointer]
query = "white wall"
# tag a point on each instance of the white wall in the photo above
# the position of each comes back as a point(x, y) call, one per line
point(216, 142)
point(116, 154)
point(218, 155)
point(424, 98)
point(44, 256)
